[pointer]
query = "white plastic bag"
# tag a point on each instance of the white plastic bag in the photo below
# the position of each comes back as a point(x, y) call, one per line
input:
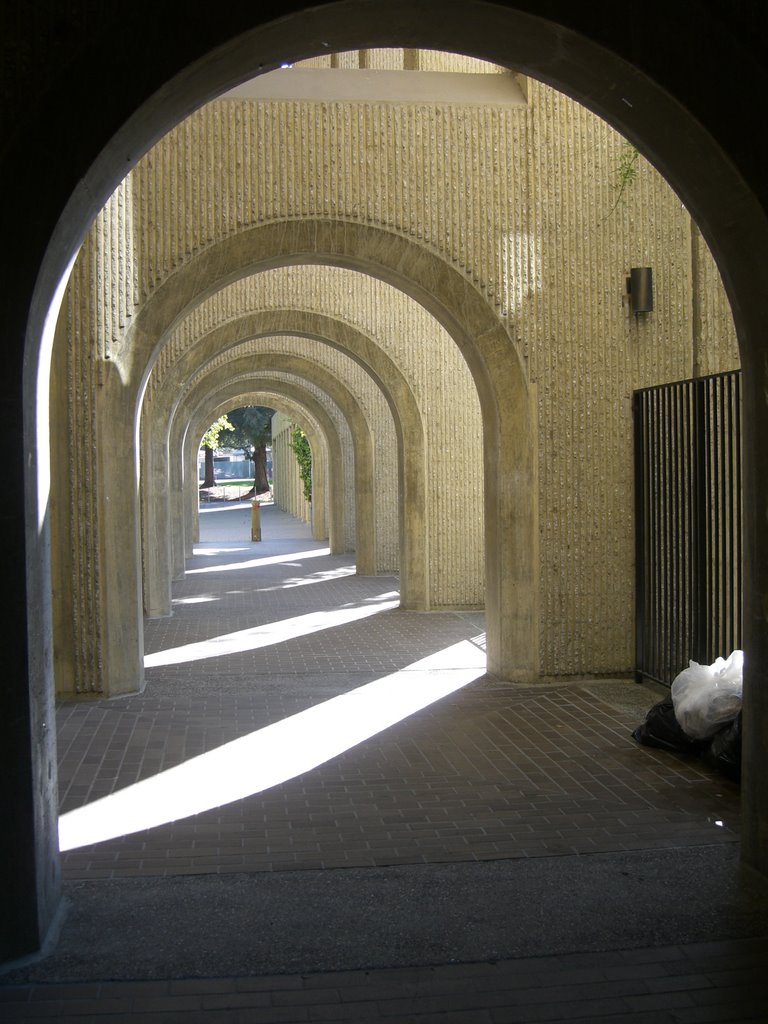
point(705, 697)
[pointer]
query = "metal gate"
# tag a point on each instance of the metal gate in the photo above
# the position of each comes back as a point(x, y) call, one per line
point(688, 524)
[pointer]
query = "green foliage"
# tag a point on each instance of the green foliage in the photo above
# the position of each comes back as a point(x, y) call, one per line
point(252, 425)
point(626, 172)
point(211, 436)
point(303, 453)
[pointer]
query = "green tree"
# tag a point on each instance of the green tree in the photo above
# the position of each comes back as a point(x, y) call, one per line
point(209, 444)
point(303, 453)
point(252, 426)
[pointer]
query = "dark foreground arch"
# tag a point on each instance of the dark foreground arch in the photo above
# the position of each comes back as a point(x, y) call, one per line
point(79, 111)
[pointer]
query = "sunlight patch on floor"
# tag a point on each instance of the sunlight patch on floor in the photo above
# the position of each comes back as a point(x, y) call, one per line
point(238, 505)
point(276, 753)
point(269, 633)
point(253, 563)
point(316, 577)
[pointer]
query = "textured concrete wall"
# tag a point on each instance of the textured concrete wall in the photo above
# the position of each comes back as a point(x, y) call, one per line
point(523, 202)
point(587, 354)
point(715, 348)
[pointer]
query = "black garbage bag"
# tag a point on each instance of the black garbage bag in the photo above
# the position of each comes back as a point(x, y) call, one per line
point(723, 751)
point(661, 729)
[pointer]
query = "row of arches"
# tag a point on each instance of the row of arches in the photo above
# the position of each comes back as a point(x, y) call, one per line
point(380, 407)
point(671, 124)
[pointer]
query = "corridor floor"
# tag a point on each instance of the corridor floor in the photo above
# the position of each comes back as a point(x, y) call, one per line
point(477, 852)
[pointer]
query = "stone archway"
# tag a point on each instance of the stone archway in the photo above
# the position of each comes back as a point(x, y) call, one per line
point(327, 487)
point(655, 94)
point(468, 318)
point(395, 389)
point(385, 374)
point(265, 364)
point(288, 397)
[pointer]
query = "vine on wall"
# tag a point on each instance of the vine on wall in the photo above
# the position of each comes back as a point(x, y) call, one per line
point(303, 453)
point(626, 172)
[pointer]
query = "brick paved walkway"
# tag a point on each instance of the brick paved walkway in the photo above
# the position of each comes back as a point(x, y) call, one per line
point(489, 772)
point(707, 982)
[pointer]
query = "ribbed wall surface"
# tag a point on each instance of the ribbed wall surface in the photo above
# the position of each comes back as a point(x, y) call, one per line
point(523, 202)
point(587, 355)
point(716, 348)
point(83, 589)
point(395, 59)
point(452, 176)
point(438, 60)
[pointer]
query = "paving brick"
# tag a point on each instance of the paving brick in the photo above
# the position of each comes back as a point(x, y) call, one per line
point(660, 1000)
point(654, 1017)
point(738, 1012)
point(585, 1010)
point(200, 986)
point(236, 1000)
point(274, 983)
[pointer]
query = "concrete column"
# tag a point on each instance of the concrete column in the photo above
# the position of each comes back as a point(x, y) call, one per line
point(178, 525)
point(156, 525)
point(319, 486)
point(120, 539)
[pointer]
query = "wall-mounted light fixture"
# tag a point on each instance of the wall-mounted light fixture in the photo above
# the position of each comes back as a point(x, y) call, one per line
point(640, 290)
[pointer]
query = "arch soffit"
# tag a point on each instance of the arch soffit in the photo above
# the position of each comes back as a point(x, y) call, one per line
point(361, 437)
point(216, 406)
point(303, 369)
point(304, 366)
point(286, 395)
point(335, 333)
point(249, 390)
point(421, 274)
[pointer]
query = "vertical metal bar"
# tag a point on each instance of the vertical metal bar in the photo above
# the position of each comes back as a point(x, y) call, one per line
point(690, 518)
point(712, 538)
point(664, 624)
point(638, 426)
point(671, 555)
point(679, 551)
point(652, 534)
point(650, 623)
point(720, 521)
point(727, 488)
point(738, 527)
point(715, 648)
point(699, 525)
point(656, 532)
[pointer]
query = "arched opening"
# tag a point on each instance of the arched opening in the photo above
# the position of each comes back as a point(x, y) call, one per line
point(656, 136)
point(297, 402)
point(462, 311)
point(424, 585)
